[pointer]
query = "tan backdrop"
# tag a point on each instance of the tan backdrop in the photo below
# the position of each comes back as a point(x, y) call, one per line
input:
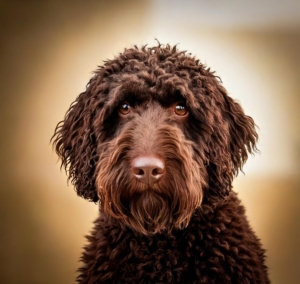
point(48, 51)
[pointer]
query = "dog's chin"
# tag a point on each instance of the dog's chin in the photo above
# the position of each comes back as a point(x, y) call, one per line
point(149, 212)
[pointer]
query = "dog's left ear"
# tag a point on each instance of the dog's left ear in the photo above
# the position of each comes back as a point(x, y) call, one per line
point(75, 142)
point(232, 138)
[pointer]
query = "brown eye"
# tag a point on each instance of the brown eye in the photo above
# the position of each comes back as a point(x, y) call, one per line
point(124, 108)
point(181, 109)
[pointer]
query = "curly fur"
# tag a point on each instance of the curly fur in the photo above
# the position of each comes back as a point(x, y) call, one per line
point(189, 227)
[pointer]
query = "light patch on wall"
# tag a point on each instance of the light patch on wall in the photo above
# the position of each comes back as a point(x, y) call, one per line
point(258, 71)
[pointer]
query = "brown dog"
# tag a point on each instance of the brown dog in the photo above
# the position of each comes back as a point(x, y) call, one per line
point(157, 141)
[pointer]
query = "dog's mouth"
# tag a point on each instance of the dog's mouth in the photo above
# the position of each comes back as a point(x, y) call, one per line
point(151, 209)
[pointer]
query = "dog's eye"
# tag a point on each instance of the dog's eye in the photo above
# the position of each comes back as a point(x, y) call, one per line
point(124, 108)
point(181, 109)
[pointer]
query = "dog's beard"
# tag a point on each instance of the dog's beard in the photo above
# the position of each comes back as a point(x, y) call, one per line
point(150, 210)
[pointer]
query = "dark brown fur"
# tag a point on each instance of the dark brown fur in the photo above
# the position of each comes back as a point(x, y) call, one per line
point(188, 227)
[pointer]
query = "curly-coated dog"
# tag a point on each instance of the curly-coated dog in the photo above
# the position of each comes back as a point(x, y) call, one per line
point(157, 141)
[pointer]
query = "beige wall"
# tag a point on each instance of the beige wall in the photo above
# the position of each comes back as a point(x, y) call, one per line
point(48, 51)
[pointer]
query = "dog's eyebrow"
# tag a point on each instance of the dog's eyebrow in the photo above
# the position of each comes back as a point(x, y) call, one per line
point(134, 98)
point(167, 98)
point(132, 93)
point(178, 95)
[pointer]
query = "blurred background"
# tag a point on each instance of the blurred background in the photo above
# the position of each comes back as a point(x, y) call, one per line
point(48, 50)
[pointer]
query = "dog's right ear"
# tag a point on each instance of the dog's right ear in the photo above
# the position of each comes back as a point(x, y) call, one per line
point(74, 141)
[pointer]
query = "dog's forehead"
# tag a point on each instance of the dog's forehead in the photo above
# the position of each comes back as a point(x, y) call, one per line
point(139, 88)
point(161, 74)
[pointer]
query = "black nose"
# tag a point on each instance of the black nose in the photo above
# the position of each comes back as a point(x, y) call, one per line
point(148, 169)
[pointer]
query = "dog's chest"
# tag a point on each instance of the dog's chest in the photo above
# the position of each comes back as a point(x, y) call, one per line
point(218, 246)
point(161, 259)
point(192, 255)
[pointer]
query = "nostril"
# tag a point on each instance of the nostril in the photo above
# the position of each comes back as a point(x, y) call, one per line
point(138, 171)
point(157, 171)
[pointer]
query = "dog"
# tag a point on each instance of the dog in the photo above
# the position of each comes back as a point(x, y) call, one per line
point(156, 141)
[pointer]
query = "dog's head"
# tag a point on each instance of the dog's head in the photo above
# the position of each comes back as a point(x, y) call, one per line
point(153, 135)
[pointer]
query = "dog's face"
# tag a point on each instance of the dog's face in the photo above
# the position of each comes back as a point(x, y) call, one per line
point(148, 175)
point(153, 135)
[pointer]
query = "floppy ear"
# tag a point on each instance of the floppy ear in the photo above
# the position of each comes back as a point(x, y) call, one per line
point(75, 141)
point(232, 138)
